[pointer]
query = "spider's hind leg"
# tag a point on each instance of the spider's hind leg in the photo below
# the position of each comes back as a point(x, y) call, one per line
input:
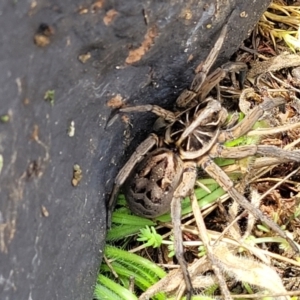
point(224, 181)
point(123, 174)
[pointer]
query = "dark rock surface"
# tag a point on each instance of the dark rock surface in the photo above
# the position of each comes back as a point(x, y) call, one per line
point(85, 53)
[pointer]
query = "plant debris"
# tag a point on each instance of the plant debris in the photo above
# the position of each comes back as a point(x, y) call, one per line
point(255, 261)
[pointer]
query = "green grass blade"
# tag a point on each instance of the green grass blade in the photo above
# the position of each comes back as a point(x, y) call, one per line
point(113, 252)
point(120, 232)
point(119, 291)
point(127, 219)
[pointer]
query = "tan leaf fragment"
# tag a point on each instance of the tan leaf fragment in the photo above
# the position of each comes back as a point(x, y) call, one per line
point(110, 16)
point(136, 54)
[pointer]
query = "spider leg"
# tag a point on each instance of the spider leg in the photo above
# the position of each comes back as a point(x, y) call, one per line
point(262, 162)
point(184, 189)
point(201, 72)
point(215, 77)
point(248, 122)
point(205, 240)
point(238, 67)
point(159, 111)
point(224, 181)
point(274, 151)
point(219, 150)
point(123, 174)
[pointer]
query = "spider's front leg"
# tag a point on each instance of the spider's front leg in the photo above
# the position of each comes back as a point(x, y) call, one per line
point(123, 174)
point(219, 74)
point(224, 181)
point(203, 83)
point(184, 189)
point(202, 70)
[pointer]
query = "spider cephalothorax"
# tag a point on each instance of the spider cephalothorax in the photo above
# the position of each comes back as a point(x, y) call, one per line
point(163, 169)
point(196, 129)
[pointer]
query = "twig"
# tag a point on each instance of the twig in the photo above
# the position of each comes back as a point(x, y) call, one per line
point(278, 184)
point(110, 266)
point(284, 83)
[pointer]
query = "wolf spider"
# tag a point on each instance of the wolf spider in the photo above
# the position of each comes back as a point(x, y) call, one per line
point(163, 169)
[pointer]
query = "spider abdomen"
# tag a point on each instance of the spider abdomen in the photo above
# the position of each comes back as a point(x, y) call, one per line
point(150, 188)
